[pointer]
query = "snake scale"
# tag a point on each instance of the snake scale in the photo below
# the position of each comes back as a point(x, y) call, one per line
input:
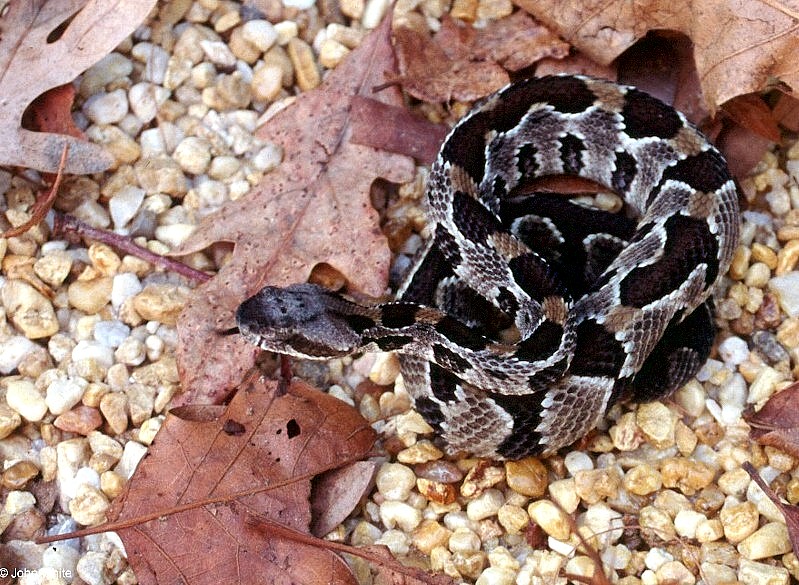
point(527, 315)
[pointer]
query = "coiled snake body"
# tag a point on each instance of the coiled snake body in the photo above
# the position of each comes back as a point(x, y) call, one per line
point(526, 315)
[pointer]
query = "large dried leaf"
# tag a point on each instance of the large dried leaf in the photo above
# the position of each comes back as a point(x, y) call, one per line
point(195, 499)
point(314, 208)
point(739, 45)
point(777, 423)
point(30, 64)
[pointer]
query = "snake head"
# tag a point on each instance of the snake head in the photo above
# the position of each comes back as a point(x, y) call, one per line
point(301, 320)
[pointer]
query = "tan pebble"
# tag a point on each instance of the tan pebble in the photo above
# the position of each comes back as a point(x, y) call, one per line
point(734, 482)
point(112, 484)
point(412, 422)
point(463, 540)
point(657, 423)
point(709, 530)
point(564, 492)
point(550, 518)
point(353, 8)
point(440, 493)
point(104, 259)
point(193, 154)
point(365, 534)
point(676, 573)
point(103, 444)
point(234, 92)
point(149, 429)
point(81, 420)
point(429, 535)
point(278, 57)
point(465, 10)
point(331, 53)
point(740, 262)
point(685, 438)
point(688, 475)
point(305, 68)
point(89, 505)
point(788, 232)
point(764, 254)
point(90, 296)
point(267, 81)
point(23, 397)
point(161, 302)
point(53, 268)
point(527, 476)
point(395, 481)
point(625, 434)
point(754, 573)
point(779, 460)
point(242, 48)
point(19, 474)
point(30, 311)
point(767, 541)
point(757, 275)
point(140, 402)
point(164, 371)
point(594, 485)
point(422, 452)
point(122, 147)
point(513, 519)
point(739, 521)
point(494, 9)
point(114, 408)
point(9, 420)
point(651, 518)
point(481, 477)
point(161, 174)
point(642, 480)
point(469, 564)
point(764, 384)
point(101, 463)
point(787, 258)
point(788, 333)
point(385, 369)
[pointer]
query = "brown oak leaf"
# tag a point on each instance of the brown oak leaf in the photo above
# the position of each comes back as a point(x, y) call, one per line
point(188, 511)
point(314, 208)
point(739, 47)
point(466, 63)
point(777, 423)
point(33, 61)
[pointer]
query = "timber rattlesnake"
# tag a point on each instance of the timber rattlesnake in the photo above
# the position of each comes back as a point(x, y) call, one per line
point(603, 306)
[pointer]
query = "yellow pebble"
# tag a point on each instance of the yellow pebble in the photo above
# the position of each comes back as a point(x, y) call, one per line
point(764, 254)
point(787, 257)
point(740, 262)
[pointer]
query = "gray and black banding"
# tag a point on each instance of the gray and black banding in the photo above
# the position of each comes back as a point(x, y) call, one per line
point(528, 316)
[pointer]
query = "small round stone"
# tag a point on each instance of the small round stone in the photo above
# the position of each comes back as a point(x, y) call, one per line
point(394, 513)
point(30, 311)
point(657, 423)
point(739, 521)
point(770, 540)
point(23, 397)
point(89, 505)
point(485, 505)
point(464, 540)
point(527, 476)
point(193, 154)
point(63, 394)
point(550, 518)
point(90, 296)
point(259, 33)
point(161, 302)
point(106, 108)
point(12, 350)
point(395, 481)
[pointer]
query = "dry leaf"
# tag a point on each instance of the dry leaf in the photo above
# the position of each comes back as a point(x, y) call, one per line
point(30, 65)
point(751, 112)
point(337, 492)
point(739, 47)
point(396, 130)
point(777, 423)
point(192, 499)
point(313, 208)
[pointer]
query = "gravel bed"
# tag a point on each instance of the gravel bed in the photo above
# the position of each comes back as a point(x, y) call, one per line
point(88, 337)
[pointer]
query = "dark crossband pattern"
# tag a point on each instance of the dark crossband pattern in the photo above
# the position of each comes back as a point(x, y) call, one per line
point(527, 315)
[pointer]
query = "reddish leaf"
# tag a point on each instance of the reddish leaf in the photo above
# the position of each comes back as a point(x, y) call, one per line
point(777, 423)
point(752, 113)
point(395, 129)
point(337, 492)
point(192, 500)
point(52, 112)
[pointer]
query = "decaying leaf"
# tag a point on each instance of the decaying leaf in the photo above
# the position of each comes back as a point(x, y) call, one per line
point(313, 208)
point(192, 500)
point(777, 423)
point(337, 492)
point(465, 63)
point(31, 63)
point(739, 47)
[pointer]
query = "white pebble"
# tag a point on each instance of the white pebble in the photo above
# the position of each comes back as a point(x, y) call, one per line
point(395, 481)
point(463, 540)
point(175, 234)
point(145, 99)
point(63, 394)
point(656, 557)
point(18, 501)
point(111, 333)
point(373, 13)
point(125, 204)
point(218, 53)
point(268, 157)
point(193, 154)
point(155, 60)
point(22, 396)
point(131, 456)
point(786, 287)
point(687, 521)
point(485, 505)
point(259, 33)
point(734, 351)
point(125, 285)
point(400, 514)
point(12, 350)
point(87, 349)
point(577, 461)
point(152, 143)
point(299, 4)
point(106, 108)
